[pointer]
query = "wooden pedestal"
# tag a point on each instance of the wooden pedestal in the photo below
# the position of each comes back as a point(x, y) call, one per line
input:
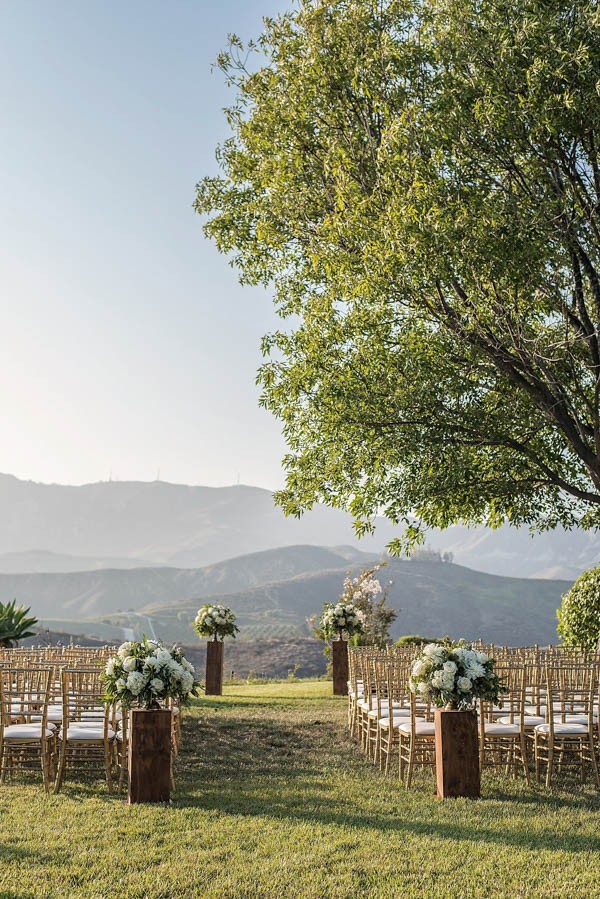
point(149, 755)
point(457, 754)
point(214, 667)
point(340, 667)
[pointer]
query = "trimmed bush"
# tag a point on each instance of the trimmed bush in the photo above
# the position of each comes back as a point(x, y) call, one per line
point(579, 614)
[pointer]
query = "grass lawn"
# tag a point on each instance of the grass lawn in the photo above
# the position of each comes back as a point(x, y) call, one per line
point(274, 800)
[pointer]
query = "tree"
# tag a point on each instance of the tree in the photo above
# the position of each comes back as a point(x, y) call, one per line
point(419, 185)
point(14, 623)
point(579, 614)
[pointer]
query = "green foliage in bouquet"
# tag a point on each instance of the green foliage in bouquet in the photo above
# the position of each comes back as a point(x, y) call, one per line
point(579, 614)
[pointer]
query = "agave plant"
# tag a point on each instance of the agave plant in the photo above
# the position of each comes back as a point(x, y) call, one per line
point(14, 623)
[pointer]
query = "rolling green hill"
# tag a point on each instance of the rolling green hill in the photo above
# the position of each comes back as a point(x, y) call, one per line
point(431, 598)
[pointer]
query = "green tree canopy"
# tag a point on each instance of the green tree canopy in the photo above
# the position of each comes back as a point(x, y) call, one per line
point(418, 183)
point(579, 614)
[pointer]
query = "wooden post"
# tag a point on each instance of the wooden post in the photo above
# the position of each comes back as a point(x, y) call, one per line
point(340, 667)
point(214, 667)
point(150, 755)
point(457, 754)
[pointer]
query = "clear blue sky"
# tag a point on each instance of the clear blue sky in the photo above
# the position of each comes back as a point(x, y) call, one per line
point(127, 343)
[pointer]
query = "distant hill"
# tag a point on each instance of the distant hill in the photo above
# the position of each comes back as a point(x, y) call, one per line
point(275, 592)
point(51, 527)
point(85, 594)
point(39, 560)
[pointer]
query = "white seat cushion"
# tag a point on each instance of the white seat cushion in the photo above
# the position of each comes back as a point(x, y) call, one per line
point(528, 721)
point(25, 732)
point(563, 729)
point(396, 721)
point(76, 732)
point(501, 730)
point(422, 728)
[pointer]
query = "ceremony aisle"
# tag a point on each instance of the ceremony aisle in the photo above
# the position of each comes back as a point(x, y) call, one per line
point(273, 799)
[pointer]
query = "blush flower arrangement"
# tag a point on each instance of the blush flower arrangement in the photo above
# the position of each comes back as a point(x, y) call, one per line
point(454, 675)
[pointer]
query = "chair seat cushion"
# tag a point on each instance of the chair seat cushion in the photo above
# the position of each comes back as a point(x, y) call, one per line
point(397, 710)
point(396, 721)
point(563, 729)
point(76, 732)
point(422, 728)
point(501, 730)
point(25, 732)
point(528, 720)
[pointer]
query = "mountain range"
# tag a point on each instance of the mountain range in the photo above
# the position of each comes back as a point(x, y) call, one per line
point(135, 524)
point(275, 592)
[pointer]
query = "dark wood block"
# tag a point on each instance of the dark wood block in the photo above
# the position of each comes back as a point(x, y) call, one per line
point(340, 667)
point(149, 755)
point(214, 667)
point(457, 754)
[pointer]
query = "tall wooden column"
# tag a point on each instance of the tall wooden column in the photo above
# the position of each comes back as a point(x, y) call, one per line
point(340, 667)
point(214, 667)
point(149, 755)
point(457, 754)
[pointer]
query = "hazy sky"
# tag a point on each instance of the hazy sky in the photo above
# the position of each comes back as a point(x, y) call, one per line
point(127, 343)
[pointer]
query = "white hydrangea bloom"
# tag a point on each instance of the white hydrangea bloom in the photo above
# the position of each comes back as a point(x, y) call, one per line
point(136, 682)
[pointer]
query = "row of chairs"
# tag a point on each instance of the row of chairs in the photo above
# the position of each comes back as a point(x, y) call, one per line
point(52, 717)
point(547, 717)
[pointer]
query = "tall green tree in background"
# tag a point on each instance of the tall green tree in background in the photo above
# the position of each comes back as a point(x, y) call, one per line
point(418, 183)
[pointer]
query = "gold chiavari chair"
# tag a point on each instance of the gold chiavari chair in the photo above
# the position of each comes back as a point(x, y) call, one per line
point(26, 740)
point(417, 741)
point(502, 741)
point(569, 734)
point(87, 736)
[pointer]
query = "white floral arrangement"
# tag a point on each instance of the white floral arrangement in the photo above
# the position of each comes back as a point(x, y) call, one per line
point(145, 673)
point(340, 620)
point(215, 621)
point(454, 675)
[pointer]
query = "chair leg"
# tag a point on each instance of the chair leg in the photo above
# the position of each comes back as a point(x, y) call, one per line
point(61, 768)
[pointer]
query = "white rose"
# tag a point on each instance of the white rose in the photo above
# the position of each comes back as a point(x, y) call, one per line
point(130, 663)
point(111, 667)
point(482, 658)
point(156, 685)
point(447, 681)
point(450, 667)
point(124, 649)
point(463, 684)
point(419, 668)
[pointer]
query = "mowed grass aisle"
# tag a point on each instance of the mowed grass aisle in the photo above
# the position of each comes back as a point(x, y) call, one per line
point(274, 800)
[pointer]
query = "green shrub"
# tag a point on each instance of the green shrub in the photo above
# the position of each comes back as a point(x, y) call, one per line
point(417, 640)
point(579, 614)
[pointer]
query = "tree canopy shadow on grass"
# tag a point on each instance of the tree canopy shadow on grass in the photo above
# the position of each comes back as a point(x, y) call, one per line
point(253, 766)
